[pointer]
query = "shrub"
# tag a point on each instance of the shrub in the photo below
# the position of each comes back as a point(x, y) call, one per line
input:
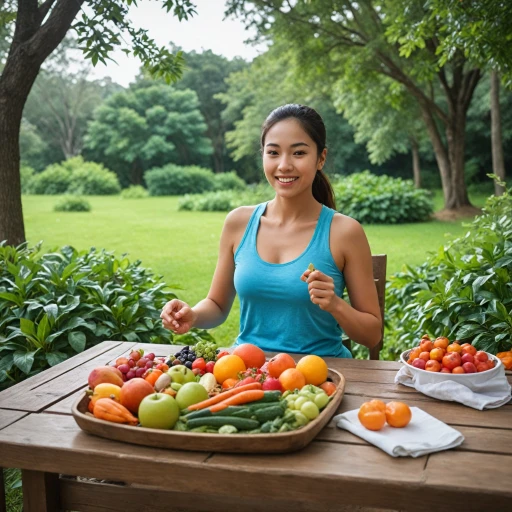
point(72, 204)
point(372, 199)
point(463, 292)
point(56, 304)
point(226, 200)
point(173, 180)
point(228, 181)
point(26, 176)
point(92, 179)
point(54, 180)
point(134, 192)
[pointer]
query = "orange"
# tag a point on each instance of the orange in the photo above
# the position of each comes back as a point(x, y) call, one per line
point(398, 414)
point(279, 363)
point(329, 387)
point(372, 414)
point(252, 356)
point(228, 367)
point(292, 379)
point(229, 383)
point(314, 369)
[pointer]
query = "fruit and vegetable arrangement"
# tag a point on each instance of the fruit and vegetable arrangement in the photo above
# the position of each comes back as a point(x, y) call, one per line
point(203, 389)
point(441, 355)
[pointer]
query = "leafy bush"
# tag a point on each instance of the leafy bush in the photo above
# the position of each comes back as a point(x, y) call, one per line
point(134, 192)
point(54, 180)
point(72, 204)
point(26, 176)
point(92, 179)
point(226, 200)
point(173, 180)
point(75, 176)
point(372, 199)
point(228, 181)
point(56, 304)
point(463, 292)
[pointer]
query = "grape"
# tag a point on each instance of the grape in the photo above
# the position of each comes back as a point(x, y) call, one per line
point(130, 375)
point(149, 364)
point(123, 368)
point(150, 356)
point(131, 363)
point(191, 357)
point(141, 363)
point(188, 364)
point(139, 372)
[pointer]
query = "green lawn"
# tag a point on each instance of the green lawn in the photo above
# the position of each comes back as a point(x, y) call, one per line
point(182, 246)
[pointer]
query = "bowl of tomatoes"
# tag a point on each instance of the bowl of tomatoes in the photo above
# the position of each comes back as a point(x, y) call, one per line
point(445, 360)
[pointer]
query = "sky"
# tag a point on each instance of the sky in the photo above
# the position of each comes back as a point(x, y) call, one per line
point(204, 31)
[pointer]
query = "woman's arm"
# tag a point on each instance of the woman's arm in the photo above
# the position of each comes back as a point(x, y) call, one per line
point(360, 320)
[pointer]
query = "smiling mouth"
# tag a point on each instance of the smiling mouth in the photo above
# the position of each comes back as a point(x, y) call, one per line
point(285, 180)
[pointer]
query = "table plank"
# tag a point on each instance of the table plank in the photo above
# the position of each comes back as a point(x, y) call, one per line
point(64, 406)
point(449, 412)
point(8, 416)
point(44, 389)
point(485, 440)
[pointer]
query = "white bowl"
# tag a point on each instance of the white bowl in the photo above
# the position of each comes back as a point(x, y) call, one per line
point(463, 378)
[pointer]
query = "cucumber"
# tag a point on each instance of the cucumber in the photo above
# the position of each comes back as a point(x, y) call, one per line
point(269, 396)
point(202, 413)
point(219, 421)
point(269, 413)
point(255, 407)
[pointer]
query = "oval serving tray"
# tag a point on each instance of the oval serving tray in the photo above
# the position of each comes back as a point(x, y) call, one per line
point(195, 441)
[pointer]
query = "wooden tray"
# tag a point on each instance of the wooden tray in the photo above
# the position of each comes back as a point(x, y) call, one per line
point(194, 441)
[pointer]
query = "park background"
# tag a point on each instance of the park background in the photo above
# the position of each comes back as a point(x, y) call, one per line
point(134, 164)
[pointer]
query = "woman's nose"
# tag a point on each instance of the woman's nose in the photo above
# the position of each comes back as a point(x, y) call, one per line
point(285, 163)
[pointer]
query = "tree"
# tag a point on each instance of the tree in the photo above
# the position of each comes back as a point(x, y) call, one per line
point(39, 27)
point(142, 128)
point(382, 37)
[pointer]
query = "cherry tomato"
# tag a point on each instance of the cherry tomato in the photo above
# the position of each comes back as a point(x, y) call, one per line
point(209, 367)
point(222, 354)
point(199, 363)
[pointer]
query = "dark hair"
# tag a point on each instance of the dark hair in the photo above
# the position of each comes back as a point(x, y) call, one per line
point(314, 126)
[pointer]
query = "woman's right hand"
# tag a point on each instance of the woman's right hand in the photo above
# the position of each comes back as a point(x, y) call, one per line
point(178, 316)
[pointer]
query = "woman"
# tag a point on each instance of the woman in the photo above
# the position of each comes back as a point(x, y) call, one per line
point(265, 251)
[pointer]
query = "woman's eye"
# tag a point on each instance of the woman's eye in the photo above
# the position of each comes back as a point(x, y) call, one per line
point(271, 152)
point(300, 153)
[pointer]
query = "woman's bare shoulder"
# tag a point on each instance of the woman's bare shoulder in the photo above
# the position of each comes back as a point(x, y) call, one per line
point(237, 219)
point(346, 227)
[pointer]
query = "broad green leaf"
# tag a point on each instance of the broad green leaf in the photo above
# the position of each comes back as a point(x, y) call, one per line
point(43, 329)
point(24, 360)
point(77, 340)
point(27, 327)
point(55, 358)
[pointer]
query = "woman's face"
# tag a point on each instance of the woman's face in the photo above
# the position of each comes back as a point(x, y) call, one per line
point(290, 158)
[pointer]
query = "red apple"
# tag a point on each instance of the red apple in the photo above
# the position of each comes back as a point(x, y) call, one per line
point(271, 384)
point(419, 363)
point(467, 358)
point(469, 367)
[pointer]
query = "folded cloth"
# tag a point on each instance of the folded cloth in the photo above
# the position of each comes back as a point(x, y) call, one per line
point(424, 434)
point(477, 393)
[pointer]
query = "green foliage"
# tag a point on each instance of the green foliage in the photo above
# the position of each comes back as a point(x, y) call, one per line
point(226, 200)
point(134, 192)
point(372, 199)
point(462, 292)
point(173, 180)
point(26, 176)
point(72, 204)
point(55, 179)
point(228, 181)
point(147, 127)
point(75, 176)
point(57, 304)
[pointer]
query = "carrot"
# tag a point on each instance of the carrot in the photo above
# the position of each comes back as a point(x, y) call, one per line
point(239, 399)
point(222, 396)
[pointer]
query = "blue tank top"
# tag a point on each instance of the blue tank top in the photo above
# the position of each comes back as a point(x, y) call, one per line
point(276, 312)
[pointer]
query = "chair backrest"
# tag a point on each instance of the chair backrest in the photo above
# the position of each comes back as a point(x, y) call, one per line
point(380, 262)
point(379, 276)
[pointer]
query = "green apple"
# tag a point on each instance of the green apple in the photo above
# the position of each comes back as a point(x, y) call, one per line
point(181, 374)
point(158, 410)
point(191, 393)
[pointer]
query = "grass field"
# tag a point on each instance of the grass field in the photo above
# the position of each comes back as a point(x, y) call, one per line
point(182, 246)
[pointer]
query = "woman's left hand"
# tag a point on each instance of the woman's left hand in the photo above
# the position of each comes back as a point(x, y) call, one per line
point(321, 289)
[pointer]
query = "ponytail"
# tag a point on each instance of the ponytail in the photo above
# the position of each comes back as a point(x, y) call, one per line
point(322, 190)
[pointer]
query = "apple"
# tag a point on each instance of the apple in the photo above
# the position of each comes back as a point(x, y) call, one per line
point(272, 384)
point(419, 363)
point(158, 410)
point(469, 367)
point(181, 374)
point(191, 393)
point(467, 358)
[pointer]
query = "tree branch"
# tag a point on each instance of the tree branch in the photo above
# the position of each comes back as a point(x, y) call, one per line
point(44, 8)
point(469, 84)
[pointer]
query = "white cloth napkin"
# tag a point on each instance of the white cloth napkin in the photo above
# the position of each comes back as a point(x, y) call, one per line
point(487, 394)
point(424, 434)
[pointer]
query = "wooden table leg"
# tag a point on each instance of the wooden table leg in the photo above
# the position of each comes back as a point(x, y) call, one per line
point(2, 491)
point(40, 491)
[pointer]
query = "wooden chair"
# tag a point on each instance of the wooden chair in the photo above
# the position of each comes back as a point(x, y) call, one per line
point(379, 276)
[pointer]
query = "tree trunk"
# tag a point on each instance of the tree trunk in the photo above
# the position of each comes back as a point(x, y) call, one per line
point(416, 169)
point(498, 162)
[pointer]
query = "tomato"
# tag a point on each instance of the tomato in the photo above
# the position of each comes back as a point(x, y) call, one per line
point(222, 354)
point(199, 363)
point(247, 380)
point(209, 367)
point(152, 375)
point(162, 367)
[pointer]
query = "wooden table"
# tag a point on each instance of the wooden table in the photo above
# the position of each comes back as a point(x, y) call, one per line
point(337, 471)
